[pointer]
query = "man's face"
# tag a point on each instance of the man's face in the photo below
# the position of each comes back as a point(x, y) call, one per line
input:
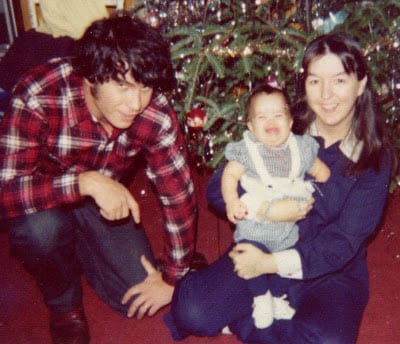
point(117, 103)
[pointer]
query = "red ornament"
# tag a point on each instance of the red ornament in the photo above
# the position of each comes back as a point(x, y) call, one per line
point(196, 118)
point(272, 81)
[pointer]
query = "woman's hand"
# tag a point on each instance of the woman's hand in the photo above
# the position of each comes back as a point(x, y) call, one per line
point(285, 210)
point(250, 261)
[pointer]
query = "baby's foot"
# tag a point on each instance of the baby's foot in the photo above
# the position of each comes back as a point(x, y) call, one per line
point(263, 310)
point(282, 308)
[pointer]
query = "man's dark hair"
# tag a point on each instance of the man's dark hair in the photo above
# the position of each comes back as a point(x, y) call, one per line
point(122, 44)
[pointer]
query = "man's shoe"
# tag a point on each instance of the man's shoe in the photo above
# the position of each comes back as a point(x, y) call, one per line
point(70, 327)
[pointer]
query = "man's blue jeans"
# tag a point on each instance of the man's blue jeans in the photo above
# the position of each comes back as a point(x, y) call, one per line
point(56, 245)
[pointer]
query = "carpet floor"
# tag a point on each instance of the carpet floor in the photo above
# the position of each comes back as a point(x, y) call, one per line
point(24, 318)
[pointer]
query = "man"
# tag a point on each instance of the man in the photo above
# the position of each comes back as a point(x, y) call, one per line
point(69, 136)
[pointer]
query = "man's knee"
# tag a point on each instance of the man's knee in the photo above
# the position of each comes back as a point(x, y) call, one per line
point(41, 232)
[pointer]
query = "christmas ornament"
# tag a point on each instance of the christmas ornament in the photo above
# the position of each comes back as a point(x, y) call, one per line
point(200, 145)
point(208, 148)
point(196, 118)
point(326, 25)
point(272, 81)
point(238, 91)
point(261, 2)
point(153, 19)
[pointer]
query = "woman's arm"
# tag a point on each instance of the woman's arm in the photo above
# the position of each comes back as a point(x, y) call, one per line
point(344, 217)
point(214, 191)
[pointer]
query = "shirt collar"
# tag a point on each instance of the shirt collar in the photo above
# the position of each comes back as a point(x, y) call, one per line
point(77, 111)
point(350, 146)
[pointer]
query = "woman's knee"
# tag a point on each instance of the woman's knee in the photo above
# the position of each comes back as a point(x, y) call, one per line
point(192, 313)
point(331, 312)
point(339, 337)
point(325, 332)
point(192, 317)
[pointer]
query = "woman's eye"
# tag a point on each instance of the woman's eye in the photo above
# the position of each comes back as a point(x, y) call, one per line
point(312, 81)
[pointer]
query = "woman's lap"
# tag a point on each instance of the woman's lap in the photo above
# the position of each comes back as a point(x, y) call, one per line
point(328, 310)
point(205, 301)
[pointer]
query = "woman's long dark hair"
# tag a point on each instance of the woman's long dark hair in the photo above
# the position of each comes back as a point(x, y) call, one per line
point(367, 125)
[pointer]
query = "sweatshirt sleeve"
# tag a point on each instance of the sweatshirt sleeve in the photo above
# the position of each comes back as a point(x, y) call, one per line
point(345, 215)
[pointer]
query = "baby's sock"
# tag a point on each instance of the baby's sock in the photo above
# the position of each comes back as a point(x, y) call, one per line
point(282, 308)
point(263, 310)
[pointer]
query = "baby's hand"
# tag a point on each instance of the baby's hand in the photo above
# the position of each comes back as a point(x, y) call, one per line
point(323, 176)
point(236, 210)
point(320, 171)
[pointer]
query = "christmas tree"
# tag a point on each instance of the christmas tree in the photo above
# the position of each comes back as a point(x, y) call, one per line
point(220, 48)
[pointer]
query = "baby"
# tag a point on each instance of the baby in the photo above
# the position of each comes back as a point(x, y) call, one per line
point(270, 162)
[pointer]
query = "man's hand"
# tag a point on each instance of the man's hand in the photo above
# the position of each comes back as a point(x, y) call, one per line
point(114, 200)
point(151, 294)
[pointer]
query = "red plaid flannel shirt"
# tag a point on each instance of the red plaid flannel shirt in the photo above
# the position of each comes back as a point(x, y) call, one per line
point(48, 137)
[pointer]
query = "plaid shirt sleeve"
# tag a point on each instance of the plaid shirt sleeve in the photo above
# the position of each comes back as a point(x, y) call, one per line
point(169, 171)
point(25, 190)
point(25, 187)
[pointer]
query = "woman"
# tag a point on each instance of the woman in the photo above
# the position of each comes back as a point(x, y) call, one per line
point(324, 275)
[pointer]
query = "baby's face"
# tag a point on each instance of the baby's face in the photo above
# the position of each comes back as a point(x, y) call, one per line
point(269, 119)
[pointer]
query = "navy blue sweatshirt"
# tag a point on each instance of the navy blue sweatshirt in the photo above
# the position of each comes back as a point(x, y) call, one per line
point(346, 213)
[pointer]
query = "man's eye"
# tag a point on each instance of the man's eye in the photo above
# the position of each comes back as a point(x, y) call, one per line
point(146, 88)
point(313, 81)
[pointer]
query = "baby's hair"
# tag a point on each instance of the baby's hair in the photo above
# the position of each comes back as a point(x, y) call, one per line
point(267, 89)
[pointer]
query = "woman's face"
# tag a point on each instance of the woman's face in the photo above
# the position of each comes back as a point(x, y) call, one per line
point(331, 93)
